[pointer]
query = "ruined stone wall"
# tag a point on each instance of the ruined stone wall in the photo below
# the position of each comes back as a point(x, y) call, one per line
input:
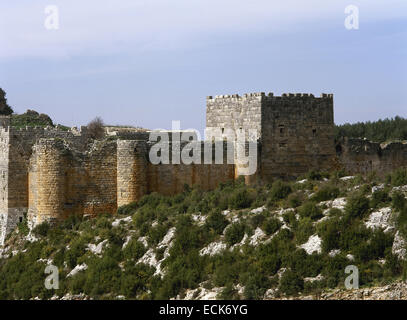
point(132, 171)
point(170, 179)
point(359, 156)
point(234, 112)
point(63, 181)
point(137, 176)
point(297, 135)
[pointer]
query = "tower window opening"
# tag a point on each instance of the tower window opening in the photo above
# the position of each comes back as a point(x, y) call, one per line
point(314, 132)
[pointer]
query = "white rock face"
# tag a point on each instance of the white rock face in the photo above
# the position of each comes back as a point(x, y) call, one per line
point(213, 248)
point(347, 178)
point(150, 258)
point(143, 240)
point(258, 210)
point(399, 246)
point(302, 181)
point(377, 188)
point(339, 203)
point(199, 219)
point(280, 272)
point(117, 222)
point(78, 268)
point(313, 244)
point(312, 279)
point(97, 249)
point(380, 220)
point(201, 294)
point(270, 294)
point(334, 252)
point(256, 237)
point(167, 238)
point(128, 238)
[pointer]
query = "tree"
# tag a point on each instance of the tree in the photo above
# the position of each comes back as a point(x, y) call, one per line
point(5, 109)
point(95, 128)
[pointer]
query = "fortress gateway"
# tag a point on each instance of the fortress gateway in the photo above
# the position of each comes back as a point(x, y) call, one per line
point(47, 174)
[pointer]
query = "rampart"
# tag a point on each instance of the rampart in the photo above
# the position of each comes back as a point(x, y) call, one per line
point(48, 174)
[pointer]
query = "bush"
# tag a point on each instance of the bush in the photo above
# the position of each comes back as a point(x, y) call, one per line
point(291, 283)
point(95, 128)
point(294, 200)
point(234, 233)
point(327, 192)
point(127, 209)
point(399, 177)
point(398, 201)
point(304, 230)
point(216, 221)
point(271, 225)
point(379, 197)
point(240, 199)
point(357, 206)
point(41, 229)
point(279, 190)
point(310, 209)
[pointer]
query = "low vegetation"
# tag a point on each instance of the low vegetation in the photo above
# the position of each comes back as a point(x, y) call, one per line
point(160, 247)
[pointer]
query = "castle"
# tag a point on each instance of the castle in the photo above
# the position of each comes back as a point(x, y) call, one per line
point(48, 173)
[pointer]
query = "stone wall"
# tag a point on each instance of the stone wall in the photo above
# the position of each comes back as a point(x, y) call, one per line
point(297, 135)
point(137, 176)
point(362, 156)
point(63, 181)
point(295, 131)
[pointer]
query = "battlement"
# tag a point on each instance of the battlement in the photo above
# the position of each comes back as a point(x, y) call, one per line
point(270, 95)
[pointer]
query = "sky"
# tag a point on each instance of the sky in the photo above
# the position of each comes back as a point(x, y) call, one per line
point(146, 63)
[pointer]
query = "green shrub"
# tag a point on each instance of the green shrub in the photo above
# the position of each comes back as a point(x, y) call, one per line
point(216, 221)
point(311, 210)
point(357, 206)
point(127, 209)
point(41, 229)
point(279, 190)
point(271, 225)
point(234, 233)
point(294, 200)
point(23, 227)
point(399, 177)
point(327, 192)
point(134, 250)
point(291, 283)
point(379, 197)
point(240, 199)
point(228, 293)
point(304, 230)
point(290, 218)
point(398, 201)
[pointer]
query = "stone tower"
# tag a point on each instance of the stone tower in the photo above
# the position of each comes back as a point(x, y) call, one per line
point(295, 131)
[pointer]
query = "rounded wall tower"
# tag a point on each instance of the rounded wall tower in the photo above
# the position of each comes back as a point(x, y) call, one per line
point(47, 181)
point(132, 166)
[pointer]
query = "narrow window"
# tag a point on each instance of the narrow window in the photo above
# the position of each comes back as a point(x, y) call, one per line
point(21, 219)
point(314, 132)
point(282, 130)
point(223, 130)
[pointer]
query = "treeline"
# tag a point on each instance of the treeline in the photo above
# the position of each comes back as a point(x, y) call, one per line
point(377, 131)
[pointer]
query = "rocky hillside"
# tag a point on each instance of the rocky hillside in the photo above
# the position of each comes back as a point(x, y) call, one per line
point(279, 241)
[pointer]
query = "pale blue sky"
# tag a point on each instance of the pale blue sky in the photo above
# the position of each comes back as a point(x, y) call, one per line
point(149, 62)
